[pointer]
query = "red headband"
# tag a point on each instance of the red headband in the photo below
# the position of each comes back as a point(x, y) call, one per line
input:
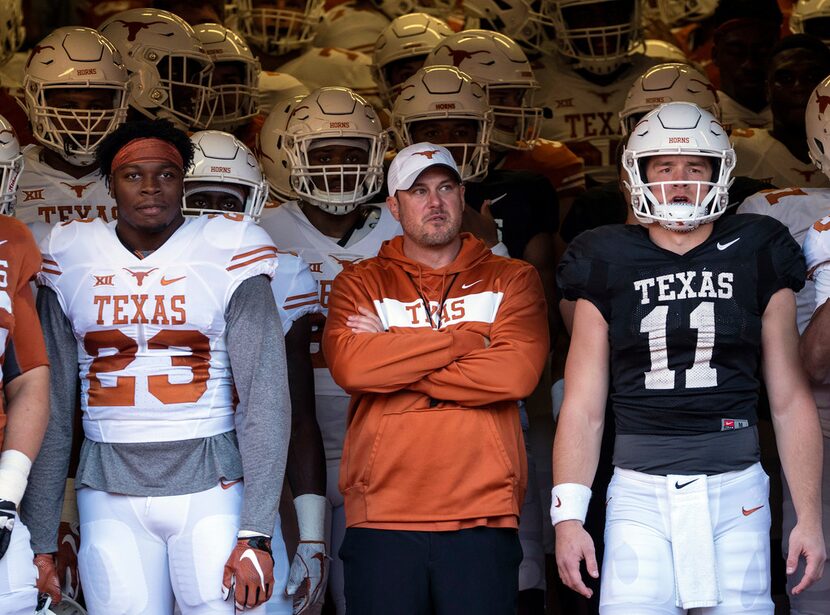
point(147, 149)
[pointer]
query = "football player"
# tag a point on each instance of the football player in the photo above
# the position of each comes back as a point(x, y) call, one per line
point(668, 327)
point(24, 389)
point(235, 77)
point(799, 208)
point(169, 70)
point(75, 93)
point(780, 155)
point(169, 326)
point(336, 146)
point(226, 178)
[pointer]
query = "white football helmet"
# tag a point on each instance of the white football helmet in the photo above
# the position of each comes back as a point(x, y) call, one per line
point(233, 104)
point(11, 165)
point(812, 17)
point(817, 120)
point(221, 158)
point(67, 606)
point(669, 82)
point(337, 114)
point(273, 151)
point(12, 31)
point(74, 58)
point(170, 73)
point(598, 35)
point(676, 13)
point(518, 19)
point(408, 37)
point(277, 31)
point(444, 92)
point(678, 128)
point(499, 64)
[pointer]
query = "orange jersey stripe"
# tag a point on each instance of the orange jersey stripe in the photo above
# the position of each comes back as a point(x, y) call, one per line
point(270, 249)
point(250, 262)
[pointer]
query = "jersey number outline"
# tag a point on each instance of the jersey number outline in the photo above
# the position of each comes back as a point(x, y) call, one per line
point(701, 374)
point(159, 386)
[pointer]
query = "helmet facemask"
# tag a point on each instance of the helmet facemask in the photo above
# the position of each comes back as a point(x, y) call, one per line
point(336, 188)
point(280, 30)
point(74, 133)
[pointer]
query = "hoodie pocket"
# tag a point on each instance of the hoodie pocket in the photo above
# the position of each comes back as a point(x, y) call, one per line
point(441, 464)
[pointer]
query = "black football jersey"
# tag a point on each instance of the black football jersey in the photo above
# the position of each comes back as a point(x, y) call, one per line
point(685, 330)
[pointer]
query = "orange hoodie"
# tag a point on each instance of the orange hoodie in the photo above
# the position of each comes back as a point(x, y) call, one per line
point(434, 440)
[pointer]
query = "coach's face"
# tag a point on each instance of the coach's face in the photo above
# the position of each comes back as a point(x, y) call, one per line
point(430, 211)
point(148, 196)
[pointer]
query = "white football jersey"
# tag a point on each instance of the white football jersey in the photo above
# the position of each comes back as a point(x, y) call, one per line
point(152, 357)
point(335, 66)
point(585, 115)
point(798, 209)
point(295, 290)
point(45, 194)
point(761, 156)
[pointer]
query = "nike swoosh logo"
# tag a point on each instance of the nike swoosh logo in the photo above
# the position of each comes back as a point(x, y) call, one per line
point(723, 246)
point(165, 281)
point(249, 554)
point(466, 286)
point(749, 511)
point(229, 484)
point(677, 484)
point(558, 503)
point(3, 241)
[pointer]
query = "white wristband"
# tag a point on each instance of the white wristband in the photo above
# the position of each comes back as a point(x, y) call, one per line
point(311, 516)
point(14, 475)
point(569, 501)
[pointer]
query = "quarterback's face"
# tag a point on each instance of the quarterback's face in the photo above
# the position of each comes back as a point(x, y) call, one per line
point(148, 196)
point(678, 176)
point(430, 211)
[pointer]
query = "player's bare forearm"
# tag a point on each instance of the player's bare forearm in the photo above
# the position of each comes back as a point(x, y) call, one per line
point(576, 444)
point(27, 411)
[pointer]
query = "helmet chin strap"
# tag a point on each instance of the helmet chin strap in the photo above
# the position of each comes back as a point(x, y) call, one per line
point(79, 160)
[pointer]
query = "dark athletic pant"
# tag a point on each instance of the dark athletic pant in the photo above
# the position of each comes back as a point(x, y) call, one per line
point(396, 572)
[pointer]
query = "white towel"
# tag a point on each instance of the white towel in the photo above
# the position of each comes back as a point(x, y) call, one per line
point(693, 545)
